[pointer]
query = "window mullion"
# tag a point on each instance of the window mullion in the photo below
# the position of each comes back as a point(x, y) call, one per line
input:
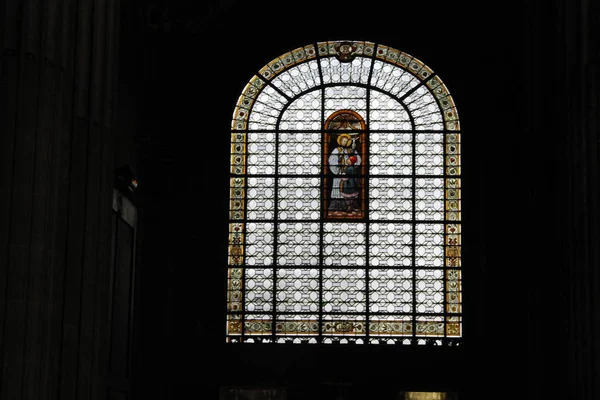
point(322, 202)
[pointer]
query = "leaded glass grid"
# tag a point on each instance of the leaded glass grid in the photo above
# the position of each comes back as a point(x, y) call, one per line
point(345, 201)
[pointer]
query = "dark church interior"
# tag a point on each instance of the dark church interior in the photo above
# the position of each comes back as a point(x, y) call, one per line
point(116, 117)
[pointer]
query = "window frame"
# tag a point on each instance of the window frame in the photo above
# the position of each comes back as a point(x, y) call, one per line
point(345, 51)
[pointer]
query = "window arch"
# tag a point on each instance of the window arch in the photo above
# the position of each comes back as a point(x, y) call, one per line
point(344, 222)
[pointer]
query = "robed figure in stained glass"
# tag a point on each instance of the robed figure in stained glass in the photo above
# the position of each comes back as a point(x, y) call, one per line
point(344, 165)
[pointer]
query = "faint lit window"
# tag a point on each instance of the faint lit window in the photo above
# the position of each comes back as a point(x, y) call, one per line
point(427, 396)
point(345, 201)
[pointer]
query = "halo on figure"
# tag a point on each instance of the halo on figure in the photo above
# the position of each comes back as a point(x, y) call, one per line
point(339, 138)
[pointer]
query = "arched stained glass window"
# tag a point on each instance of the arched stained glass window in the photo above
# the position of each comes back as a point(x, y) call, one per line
point(345, 201)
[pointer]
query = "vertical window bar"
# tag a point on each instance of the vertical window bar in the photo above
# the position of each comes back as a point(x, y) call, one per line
point(366, 202)
point(275, 235)
point(414, 227)
point(323, 201)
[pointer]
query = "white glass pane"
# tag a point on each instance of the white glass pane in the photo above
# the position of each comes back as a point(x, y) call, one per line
point(387, 113)
point(261, 153)
point(344, 290)
point(335, 71)
point(299, 153)
point(391, 153)
point(344, 244)
point(303, 113)
point(259, 243)
point(425, 110)
point(390, 198)
point(259, 289)
point(429, 159)
point(299, 198)
point(346, 97)
point(429, 199)
point(429, 245)
point(392, 78)
point(266, 109)
point(298, 244)
point(390, 290)
point(297, 290)
point(259, 198)
point(298, 79)
point(429, 289)
point(390, 245)
point(359, 72)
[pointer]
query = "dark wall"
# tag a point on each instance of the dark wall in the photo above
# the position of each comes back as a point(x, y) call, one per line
point(60, 146)
point(91, 85)
point(519, 74)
